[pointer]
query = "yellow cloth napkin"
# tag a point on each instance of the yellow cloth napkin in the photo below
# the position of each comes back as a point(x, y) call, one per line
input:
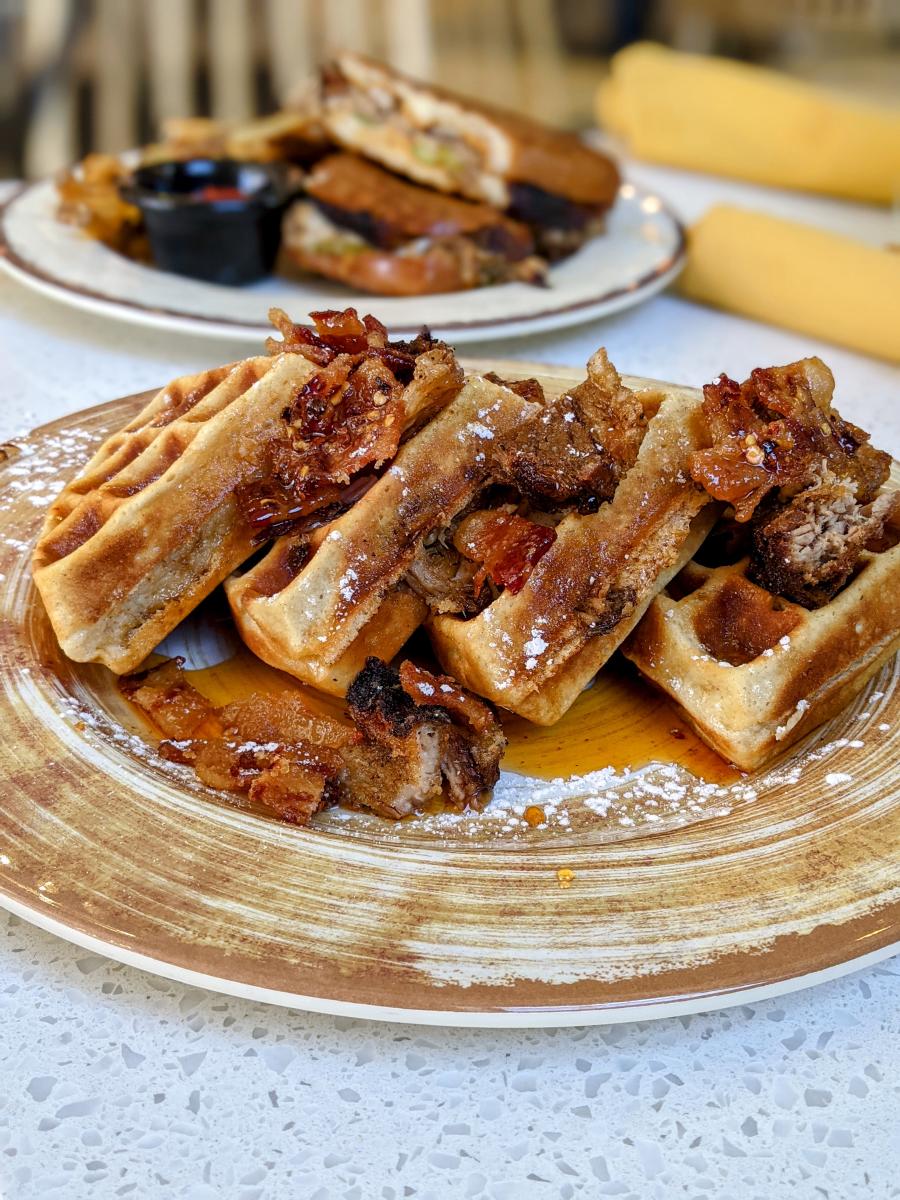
point(712, 114)
point(789, 274)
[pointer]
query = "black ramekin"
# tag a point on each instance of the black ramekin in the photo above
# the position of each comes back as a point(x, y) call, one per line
point(231, 240)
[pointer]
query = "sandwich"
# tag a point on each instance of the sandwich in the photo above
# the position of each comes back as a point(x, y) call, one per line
point(547, 178)
point(367, 228)
point(793, 603)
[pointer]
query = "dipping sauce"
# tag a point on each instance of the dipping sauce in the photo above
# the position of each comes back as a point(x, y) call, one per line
point(213, 219)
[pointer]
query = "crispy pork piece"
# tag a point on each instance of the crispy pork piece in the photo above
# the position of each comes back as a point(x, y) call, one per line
point(778, 431)
point(807, 550)
point(367, 228)
point(176, 500)
point(412, 736)
point(804, 478)
point(549, 179)
point(578, 448)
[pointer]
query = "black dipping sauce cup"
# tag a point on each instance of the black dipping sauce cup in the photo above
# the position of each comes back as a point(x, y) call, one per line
point(213, 219)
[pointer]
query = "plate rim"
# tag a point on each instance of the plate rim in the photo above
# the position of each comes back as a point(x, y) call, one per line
point(560, 1017)
point(483, 329)
point(600, 1012)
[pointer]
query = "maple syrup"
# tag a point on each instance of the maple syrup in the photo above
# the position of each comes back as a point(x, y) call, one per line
point(239, 677)
point(619, 722)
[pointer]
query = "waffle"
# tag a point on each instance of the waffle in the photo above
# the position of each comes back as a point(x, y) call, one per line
point(534, 651)
point(752, 672)
point(318, 607)
point(151, 524)
point(793, 604)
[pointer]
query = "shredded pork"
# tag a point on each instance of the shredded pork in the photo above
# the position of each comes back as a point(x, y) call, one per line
point(412, 737)
point(808, 549)
point(805, 479)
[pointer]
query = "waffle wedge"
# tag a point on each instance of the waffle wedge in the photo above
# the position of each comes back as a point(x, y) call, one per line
point(795, 600)
point(173, 503)
point(754, 673)
point(317, 607)
point(151, 525)
point(533, 650)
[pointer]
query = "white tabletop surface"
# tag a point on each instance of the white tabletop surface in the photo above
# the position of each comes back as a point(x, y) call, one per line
point(114, 1083)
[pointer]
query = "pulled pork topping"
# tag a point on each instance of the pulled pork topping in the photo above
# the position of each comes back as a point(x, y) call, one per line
point(412, 735)
point(506, 545)
point(347, 417)
point(580, 446)
point(804, 479)
point(808, 549)
point(777, 430)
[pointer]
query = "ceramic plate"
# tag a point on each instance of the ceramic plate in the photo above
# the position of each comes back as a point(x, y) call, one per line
point(657, 882)
point(641, 251)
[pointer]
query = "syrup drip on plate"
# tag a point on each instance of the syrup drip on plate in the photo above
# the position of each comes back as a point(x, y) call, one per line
point(619, 722)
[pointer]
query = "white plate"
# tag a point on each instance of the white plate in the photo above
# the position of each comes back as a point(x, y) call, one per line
point(642, 249)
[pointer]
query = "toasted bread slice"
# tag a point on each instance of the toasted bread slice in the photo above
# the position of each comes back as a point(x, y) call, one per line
point(752, 672)
point(315, 615)
point(533, 651)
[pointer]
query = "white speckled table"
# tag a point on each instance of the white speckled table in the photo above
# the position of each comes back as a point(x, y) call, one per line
point(114, 1083)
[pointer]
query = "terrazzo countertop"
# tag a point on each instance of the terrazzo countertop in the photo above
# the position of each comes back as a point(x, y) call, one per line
point(116, 1083)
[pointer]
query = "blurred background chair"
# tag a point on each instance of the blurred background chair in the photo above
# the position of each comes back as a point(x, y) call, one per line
point(79, 75)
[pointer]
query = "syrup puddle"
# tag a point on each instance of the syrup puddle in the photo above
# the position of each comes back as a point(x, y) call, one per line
point(620, 723)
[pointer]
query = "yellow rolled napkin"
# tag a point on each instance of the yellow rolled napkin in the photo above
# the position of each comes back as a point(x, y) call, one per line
point(785, 273)
point(713, 114)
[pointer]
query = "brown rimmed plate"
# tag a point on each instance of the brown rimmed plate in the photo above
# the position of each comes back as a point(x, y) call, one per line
point(641, 250)
point(670, 888)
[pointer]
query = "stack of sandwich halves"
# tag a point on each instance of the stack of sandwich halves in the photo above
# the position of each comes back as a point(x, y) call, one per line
point(426, 191)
